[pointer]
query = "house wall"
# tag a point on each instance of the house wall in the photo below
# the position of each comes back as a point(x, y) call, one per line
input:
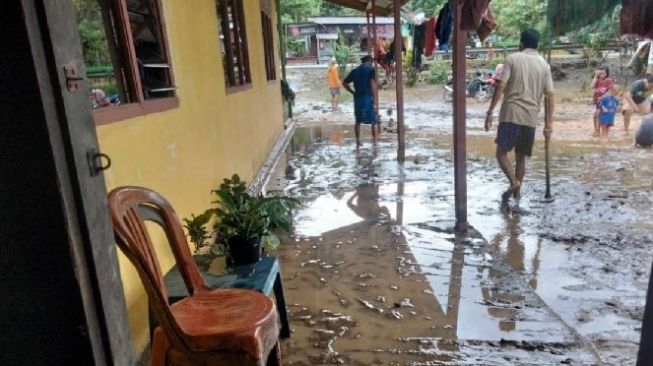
point(185, 152)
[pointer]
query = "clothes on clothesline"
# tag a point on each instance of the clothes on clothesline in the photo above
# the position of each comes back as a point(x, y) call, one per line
point(419, 35)
point(429, 42)
point(476, 15)
point(444, 27)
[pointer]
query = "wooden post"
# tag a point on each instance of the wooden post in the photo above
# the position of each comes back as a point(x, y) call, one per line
point(376, 64)
point(369, 33)
point(459, 122)
point(645, 354)
point(399, 80)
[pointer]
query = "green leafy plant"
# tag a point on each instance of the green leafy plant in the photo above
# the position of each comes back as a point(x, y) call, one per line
point(244, 217)
point(412, 74)
point(343, 54)
point(196, 228)
point(438, 72)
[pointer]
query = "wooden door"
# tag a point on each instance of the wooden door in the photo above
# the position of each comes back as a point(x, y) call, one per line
point(68, 208)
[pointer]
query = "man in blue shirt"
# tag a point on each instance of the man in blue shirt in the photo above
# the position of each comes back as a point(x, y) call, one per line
point(364, 89)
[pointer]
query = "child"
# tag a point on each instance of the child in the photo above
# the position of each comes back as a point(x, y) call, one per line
point(601, 83)
point(607, 106)
point(333, 79)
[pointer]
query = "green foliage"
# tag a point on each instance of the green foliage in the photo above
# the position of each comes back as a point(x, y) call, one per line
point(91, 33)
point(196, 228)
point(294, 11)
point(513, 16)
point(412, 74)
point(296, 46)
point(429, 7)
point(344, 55)
point(439, 72)
point(596, 36)
point(246, 217)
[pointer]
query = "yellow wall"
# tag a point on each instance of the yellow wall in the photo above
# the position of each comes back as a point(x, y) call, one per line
point(185, 152)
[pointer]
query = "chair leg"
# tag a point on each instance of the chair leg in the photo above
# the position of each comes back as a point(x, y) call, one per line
point(274, 359)
point(160, 347)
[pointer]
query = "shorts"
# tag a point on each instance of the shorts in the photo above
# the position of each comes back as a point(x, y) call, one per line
point(643, 107)
point(334, 91)
point(364, 110)
point(511, 135)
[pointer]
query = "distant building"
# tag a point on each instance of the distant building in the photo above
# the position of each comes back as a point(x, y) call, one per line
point(314, 41)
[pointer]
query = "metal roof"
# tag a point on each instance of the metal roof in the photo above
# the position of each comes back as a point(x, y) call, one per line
point(381, 7)
point(349, 20)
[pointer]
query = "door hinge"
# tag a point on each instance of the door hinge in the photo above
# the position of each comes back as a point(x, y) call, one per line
point(72, 78)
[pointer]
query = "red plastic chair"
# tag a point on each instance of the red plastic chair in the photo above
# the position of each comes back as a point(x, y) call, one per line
point(209, 327)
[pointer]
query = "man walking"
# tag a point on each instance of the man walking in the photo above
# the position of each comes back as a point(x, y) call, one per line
point(364, 89)
point(526, 79)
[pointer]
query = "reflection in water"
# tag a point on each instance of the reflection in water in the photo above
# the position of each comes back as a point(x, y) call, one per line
point(374, 276)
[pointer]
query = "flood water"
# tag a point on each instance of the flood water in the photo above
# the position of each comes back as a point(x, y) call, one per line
point(375, 275)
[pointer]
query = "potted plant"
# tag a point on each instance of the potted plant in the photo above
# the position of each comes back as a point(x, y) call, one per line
point(245, 220)
point(197, 232)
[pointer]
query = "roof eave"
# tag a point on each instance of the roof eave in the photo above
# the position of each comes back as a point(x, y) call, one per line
point(362, 6)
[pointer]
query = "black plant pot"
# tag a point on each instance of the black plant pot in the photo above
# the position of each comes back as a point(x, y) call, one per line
point(244, 251)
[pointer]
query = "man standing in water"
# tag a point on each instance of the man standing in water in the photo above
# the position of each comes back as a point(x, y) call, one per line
point(364, 89)
point(526, 79)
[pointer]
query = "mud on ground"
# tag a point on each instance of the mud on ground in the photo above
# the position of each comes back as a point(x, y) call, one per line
point(375, 275)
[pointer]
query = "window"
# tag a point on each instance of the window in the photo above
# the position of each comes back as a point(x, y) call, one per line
point(126, 57)
point(268, 40)
point(235, 57)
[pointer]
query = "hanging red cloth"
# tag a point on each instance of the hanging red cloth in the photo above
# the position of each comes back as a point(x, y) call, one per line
point(637, 17)
point(429, 42)
point(477, 15)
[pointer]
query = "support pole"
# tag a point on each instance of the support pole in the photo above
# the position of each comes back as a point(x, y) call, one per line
point(376, 74)
point(645, 354)
point(369, 33)
point(399, 81)
point(459, 122)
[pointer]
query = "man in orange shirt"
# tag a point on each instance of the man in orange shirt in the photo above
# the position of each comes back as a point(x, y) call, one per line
point(333, 79)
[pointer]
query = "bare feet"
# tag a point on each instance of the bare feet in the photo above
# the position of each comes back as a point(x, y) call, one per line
point(514, 191)
point(595, 134)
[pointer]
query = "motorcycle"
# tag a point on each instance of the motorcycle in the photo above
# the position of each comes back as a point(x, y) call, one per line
point(478, 88)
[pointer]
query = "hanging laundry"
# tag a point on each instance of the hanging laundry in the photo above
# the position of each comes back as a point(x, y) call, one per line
point(476, 15)
point(429, 42)
point(419, 35)
point(637, 17)
point(565, 16)
point(444, 27)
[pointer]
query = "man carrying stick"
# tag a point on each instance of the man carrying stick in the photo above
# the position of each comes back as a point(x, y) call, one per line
point(525, 81)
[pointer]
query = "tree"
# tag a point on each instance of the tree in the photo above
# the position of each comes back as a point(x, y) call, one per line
point(91, 33)
point(299, 10)
point(514, 15)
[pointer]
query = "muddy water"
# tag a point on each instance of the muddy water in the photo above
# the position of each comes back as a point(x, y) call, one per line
point(375, 275)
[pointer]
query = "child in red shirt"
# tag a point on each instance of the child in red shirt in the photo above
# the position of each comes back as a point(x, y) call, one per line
point(601, 84)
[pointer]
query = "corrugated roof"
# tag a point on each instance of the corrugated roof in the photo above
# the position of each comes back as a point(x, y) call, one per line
point(381, 7)
point(349, 20)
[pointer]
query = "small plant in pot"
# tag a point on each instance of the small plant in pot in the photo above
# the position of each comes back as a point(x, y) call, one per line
point(245, 220)
point(196, 227)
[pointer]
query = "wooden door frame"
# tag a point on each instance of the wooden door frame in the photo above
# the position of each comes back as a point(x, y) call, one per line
point(54, 43)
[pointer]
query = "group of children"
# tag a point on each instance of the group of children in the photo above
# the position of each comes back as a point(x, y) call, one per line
point(635, 100)
point(606, 92)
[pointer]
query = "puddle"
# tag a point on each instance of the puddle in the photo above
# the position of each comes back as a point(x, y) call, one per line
point(559, 282)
